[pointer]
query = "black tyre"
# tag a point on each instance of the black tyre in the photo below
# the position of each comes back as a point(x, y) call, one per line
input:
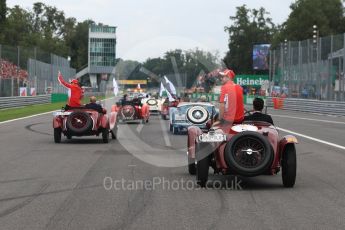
point(164, 117)
point(113, 134)
point(289, 166)
point(191, 166)
point(202, 153)
point(57, 135)
point(175, 130)
point(79, 122)
point(105, 135)
point(248, 154)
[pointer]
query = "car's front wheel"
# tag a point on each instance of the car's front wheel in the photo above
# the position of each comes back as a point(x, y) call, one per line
point(105, 135)
point(203, 163)
point(57, 135)
point(175, 130)
point(289, 166)
point(191, 166)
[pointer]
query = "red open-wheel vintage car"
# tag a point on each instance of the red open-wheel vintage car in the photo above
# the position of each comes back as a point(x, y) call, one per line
point(249, 149)
point(132, 112)
point(80, 121)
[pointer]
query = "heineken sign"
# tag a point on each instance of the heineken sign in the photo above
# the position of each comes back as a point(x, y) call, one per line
point(251, 80)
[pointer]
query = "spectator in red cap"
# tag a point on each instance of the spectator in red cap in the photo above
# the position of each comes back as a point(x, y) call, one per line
point(231, 105)
point(75, 93)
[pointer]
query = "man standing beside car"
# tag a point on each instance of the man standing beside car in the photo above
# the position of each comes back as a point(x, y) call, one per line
point(231, 105)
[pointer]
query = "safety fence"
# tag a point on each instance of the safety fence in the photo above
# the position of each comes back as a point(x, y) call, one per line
point(310, 106)
point(11, 102)
point(30, 68)
point(309, 69)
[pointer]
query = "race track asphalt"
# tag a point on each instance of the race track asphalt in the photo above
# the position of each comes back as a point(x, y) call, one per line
point(140, 181)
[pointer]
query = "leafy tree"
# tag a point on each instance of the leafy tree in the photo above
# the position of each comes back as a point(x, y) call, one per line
point(328, 15)
point(3, 11)
point(18, 27)
point(249, 27)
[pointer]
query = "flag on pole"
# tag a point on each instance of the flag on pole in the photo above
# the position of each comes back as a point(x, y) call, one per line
point(115, 87)
point(169, 86)
point(161, 90)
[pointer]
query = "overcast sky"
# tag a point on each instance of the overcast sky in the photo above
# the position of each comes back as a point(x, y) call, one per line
point(148, 28)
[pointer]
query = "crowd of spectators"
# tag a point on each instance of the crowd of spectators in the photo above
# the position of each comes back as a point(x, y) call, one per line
point(9, 70)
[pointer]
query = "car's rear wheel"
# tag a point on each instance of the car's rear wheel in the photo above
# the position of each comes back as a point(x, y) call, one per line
point(105, 135)
point(202, 153)
point(289, 166)
point(79, 122)
point(57, 135)
point(164, 117)
point(248, 154)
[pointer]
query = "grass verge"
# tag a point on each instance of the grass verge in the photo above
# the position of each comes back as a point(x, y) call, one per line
point(13, 113)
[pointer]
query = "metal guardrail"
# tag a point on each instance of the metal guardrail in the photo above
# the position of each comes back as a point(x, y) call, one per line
point(311, 106)
point(11, 102)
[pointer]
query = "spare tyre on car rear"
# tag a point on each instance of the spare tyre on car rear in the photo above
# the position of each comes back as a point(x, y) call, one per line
point(152, 102)
point(197, 115)
point(248, 154)
point(128, 111)
point(79, 122)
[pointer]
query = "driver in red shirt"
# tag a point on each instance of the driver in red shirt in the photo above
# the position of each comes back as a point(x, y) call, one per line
point(75, 93)
point(231, 105)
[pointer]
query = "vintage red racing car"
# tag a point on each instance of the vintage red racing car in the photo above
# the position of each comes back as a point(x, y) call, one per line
point(249, 149)
point(132, 112)
point(81, 121)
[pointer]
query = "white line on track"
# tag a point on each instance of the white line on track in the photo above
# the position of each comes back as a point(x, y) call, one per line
point(165, 133)
point(310, 119)
point(22, 118)
point(312, 138)
point(140, 127)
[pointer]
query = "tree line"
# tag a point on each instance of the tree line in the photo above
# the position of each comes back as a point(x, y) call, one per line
point(253, 26)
